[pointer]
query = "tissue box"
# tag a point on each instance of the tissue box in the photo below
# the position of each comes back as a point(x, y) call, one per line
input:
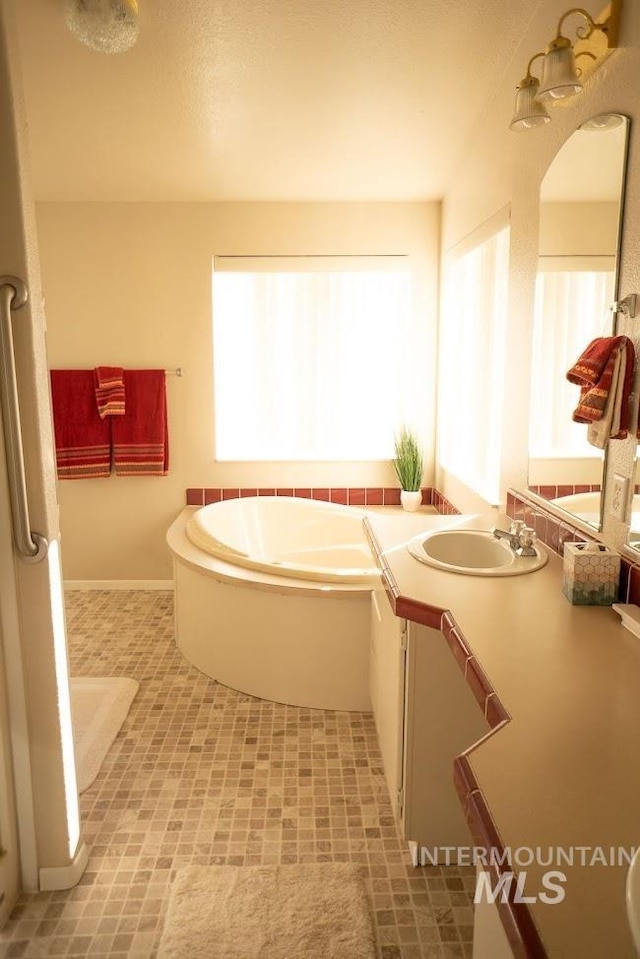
point(590, 574)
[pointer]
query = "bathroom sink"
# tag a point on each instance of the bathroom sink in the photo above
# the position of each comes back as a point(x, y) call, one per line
point(473, 552)
point(633, 899)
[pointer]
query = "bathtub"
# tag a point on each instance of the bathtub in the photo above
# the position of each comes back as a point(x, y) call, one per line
point(296, 537)
point(272, 598)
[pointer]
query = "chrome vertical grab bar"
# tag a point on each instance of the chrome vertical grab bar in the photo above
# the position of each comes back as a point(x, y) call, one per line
point(32, 547)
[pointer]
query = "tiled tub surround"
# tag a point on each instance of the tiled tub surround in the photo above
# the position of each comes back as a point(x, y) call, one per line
point(560, 686)
point(346, 496)
point(202, 775)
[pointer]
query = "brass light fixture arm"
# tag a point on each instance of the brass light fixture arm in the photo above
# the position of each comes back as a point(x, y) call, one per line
point(533, 58)
point(584, 32)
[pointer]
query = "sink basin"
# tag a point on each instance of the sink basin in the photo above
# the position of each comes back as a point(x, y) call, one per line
point(473, 552)
point(633, 899)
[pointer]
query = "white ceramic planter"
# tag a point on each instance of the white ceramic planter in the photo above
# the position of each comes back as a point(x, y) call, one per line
point(411, 500)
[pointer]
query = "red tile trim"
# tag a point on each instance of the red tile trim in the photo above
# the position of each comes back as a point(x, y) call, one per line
point(517, 921)
point(565, 489)
point(495, 712)
point(477, 680)
point(344, 495)
point(422, 613)
point(455, 641)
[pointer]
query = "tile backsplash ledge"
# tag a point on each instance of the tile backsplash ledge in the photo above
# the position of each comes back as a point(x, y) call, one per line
point(343, 495)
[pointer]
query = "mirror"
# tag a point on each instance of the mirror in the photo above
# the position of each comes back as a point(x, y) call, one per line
point(581, 201)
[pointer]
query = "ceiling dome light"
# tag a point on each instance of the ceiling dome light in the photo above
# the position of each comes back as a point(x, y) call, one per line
point(559, 78)
point(108, 26)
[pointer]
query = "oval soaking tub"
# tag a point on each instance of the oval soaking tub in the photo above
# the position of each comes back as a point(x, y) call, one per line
point(272, 597)
point(289, 535)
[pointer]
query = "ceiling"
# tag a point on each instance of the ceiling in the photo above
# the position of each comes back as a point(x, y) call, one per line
point(254, 100)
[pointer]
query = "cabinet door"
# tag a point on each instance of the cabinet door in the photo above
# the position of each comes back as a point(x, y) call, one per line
point(442, 719)
point(386, 685)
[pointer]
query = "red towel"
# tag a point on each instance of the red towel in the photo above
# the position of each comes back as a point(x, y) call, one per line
point(593, 372)
point(83, 440)
point(109, 387)
point(589, 366)
point(140, 437)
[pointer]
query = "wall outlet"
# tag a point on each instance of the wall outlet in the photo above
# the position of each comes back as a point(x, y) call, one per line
point(619, 496)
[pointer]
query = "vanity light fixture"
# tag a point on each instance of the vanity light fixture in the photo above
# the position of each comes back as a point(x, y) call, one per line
point(107, 26)
point(560, 78)
point(529, 111)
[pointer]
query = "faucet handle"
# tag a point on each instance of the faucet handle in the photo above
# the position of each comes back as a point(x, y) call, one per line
point(516, 527)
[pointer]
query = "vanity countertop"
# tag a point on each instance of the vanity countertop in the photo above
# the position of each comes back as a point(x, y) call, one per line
point(564, 772)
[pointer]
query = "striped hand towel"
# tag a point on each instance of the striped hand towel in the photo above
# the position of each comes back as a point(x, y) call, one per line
point(605, 374)
point(82, 439)
point(140, 437)
point(109, 387)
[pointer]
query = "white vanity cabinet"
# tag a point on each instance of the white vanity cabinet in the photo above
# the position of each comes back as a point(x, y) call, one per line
point(425, 715)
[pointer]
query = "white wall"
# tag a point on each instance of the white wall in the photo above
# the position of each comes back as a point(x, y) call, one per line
point(501, 167)
point(129, 284)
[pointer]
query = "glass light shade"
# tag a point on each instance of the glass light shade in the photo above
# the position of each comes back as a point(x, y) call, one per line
point(605, 121)
point(108, 26)
point(559, 78)
point(529, 112)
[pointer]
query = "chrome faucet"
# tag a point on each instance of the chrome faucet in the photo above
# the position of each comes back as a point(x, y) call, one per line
point(521, 538)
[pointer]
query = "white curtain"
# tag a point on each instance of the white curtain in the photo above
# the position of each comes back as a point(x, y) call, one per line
point(471, 364)
point(310, 357)
point(571, 309)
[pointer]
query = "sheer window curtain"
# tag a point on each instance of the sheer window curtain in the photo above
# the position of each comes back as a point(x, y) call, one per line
point(310, 357)
point(571, 309)
point(472, 359)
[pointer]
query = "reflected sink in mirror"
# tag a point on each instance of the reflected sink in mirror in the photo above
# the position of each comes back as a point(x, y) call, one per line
point(473, 552)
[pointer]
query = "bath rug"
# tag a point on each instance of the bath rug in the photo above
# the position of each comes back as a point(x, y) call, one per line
point(315, 911)
point(98, 709)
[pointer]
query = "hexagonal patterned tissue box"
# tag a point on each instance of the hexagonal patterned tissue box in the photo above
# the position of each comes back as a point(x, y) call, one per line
point(590, 574)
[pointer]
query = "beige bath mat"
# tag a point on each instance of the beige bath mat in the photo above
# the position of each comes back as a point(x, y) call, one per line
point(271, 912)
point(98, 709)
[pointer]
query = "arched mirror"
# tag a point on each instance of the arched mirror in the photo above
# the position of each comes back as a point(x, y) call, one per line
point(581, 204)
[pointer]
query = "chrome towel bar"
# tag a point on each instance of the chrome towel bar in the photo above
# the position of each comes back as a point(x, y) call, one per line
point(32, 547)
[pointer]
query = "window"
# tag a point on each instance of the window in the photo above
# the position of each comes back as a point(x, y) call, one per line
point(471, 364)
point(571, 309)
point(310, 356)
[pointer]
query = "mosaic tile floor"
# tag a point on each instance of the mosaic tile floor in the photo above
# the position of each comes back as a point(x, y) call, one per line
point(201, 774)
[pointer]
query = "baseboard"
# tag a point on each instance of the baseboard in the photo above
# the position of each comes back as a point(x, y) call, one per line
point(65, 877)
point(86, 584)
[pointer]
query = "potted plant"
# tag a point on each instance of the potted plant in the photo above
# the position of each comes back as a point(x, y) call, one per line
point(408, 466)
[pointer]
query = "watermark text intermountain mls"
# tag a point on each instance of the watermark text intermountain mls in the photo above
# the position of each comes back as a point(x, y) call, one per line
point(509, 886)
